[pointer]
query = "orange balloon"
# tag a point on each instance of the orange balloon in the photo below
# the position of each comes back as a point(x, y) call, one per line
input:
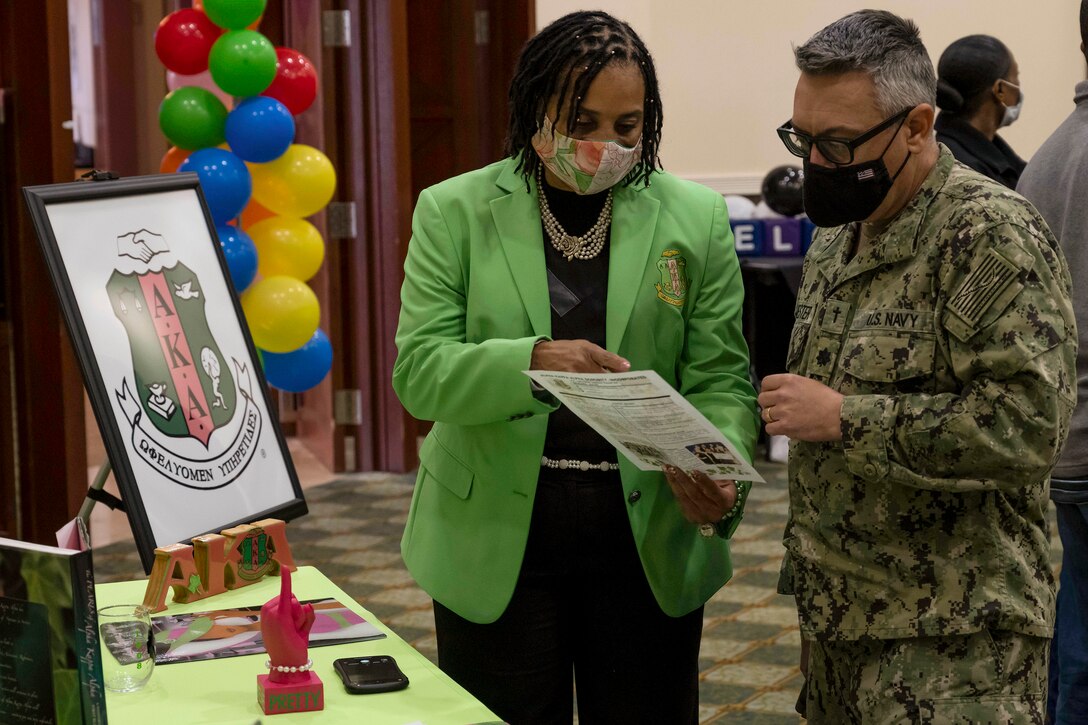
point(172, 160)
point(254, 213)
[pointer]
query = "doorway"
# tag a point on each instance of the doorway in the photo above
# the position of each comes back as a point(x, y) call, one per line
point(461, 58)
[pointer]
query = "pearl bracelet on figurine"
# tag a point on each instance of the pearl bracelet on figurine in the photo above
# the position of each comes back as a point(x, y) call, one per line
point(284, 668)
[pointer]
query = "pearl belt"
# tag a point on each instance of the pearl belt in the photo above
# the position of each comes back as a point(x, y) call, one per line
point(567, 464)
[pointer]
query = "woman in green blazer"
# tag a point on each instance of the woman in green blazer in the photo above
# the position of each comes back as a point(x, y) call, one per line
point(574, 253)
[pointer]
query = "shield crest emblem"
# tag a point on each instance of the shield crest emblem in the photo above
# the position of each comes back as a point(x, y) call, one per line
point(673, 286)
point(185, 388)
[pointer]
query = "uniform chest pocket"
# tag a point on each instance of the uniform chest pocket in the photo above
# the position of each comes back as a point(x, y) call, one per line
point(905, 360)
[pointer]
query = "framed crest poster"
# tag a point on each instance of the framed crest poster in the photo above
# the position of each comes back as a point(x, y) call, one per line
point(167, 359)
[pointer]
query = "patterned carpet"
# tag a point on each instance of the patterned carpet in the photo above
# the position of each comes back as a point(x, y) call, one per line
point(750, 646)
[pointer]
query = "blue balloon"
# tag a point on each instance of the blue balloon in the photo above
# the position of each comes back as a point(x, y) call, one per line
point(301, 369)
point(225, 180)
point(241, 254)
point(260, 129)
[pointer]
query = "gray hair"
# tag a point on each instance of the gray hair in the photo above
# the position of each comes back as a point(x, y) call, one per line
point(887, 47)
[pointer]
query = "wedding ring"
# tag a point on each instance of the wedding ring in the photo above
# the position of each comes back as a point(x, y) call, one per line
point(767, 411)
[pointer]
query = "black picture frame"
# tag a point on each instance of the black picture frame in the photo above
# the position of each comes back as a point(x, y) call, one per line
point(162, 477)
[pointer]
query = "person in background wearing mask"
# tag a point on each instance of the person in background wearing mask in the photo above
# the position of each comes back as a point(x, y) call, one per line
point(978, 91)
point(547, 555)
point(1055, 182)
point(929, 388)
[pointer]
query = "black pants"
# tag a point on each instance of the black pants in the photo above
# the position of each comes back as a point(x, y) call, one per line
point(581, 607)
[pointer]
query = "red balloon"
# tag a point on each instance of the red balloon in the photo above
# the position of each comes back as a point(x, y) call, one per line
point(295, 84)
point(184, 39)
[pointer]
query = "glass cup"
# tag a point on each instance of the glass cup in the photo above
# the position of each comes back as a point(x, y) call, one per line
point(127, 648)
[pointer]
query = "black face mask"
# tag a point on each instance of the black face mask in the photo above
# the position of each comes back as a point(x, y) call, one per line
point(842, 194)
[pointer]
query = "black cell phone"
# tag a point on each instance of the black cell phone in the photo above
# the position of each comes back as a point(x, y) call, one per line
point(362, 675)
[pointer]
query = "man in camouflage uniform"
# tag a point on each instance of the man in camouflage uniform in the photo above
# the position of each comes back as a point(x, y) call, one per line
point(930, 385)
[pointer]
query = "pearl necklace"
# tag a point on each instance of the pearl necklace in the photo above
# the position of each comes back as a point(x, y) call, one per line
point(586, 246)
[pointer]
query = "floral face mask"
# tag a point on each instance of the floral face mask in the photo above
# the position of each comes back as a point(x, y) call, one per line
point(587, 167)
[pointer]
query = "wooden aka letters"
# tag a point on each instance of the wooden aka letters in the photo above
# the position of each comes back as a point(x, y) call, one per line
point(214, 563)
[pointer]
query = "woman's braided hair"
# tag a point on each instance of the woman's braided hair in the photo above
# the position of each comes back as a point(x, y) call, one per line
point(562, 60)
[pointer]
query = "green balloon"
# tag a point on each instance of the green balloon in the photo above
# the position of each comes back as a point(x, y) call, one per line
point(192, 118)
point(242, 62)
point(233, 14)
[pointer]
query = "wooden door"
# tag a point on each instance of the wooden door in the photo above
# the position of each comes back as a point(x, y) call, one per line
point(298, 24)
point(461, 57)
point(43, 473)
point(359, 121)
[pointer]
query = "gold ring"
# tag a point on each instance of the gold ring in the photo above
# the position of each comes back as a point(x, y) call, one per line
point(767, 410)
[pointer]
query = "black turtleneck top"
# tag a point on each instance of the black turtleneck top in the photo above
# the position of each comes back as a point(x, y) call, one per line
point(995, 159)
point(579, 293)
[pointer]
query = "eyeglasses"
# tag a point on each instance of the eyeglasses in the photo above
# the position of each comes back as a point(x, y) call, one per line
point(839, 151)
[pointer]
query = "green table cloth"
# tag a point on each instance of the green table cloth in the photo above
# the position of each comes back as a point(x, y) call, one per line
point(225, 690)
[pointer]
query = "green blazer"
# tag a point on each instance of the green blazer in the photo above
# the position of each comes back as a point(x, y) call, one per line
point(475, 299)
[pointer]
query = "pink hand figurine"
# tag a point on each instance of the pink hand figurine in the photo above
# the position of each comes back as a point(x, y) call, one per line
point(285, 627)
point(291, 684)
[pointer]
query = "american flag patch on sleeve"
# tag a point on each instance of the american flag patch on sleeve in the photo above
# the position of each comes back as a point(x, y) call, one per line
point(982, 286)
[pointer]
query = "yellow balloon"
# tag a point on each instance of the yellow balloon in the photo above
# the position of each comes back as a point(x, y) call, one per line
point(282, 313)
point(298, 184)
point(287, 246)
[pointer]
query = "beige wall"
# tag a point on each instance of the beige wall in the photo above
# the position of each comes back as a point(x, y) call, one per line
point(727, 75)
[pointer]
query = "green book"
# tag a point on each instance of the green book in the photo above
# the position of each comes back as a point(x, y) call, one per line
point(50, 664)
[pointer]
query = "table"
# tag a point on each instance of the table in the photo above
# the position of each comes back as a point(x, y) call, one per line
point(225, 690)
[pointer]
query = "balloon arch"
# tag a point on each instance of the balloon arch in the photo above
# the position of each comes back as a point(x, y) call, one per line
point(229, 116)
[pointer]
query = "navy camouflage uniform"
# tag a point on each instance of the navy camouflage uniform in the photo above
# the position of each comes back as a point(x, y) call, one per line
point(919, 543)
